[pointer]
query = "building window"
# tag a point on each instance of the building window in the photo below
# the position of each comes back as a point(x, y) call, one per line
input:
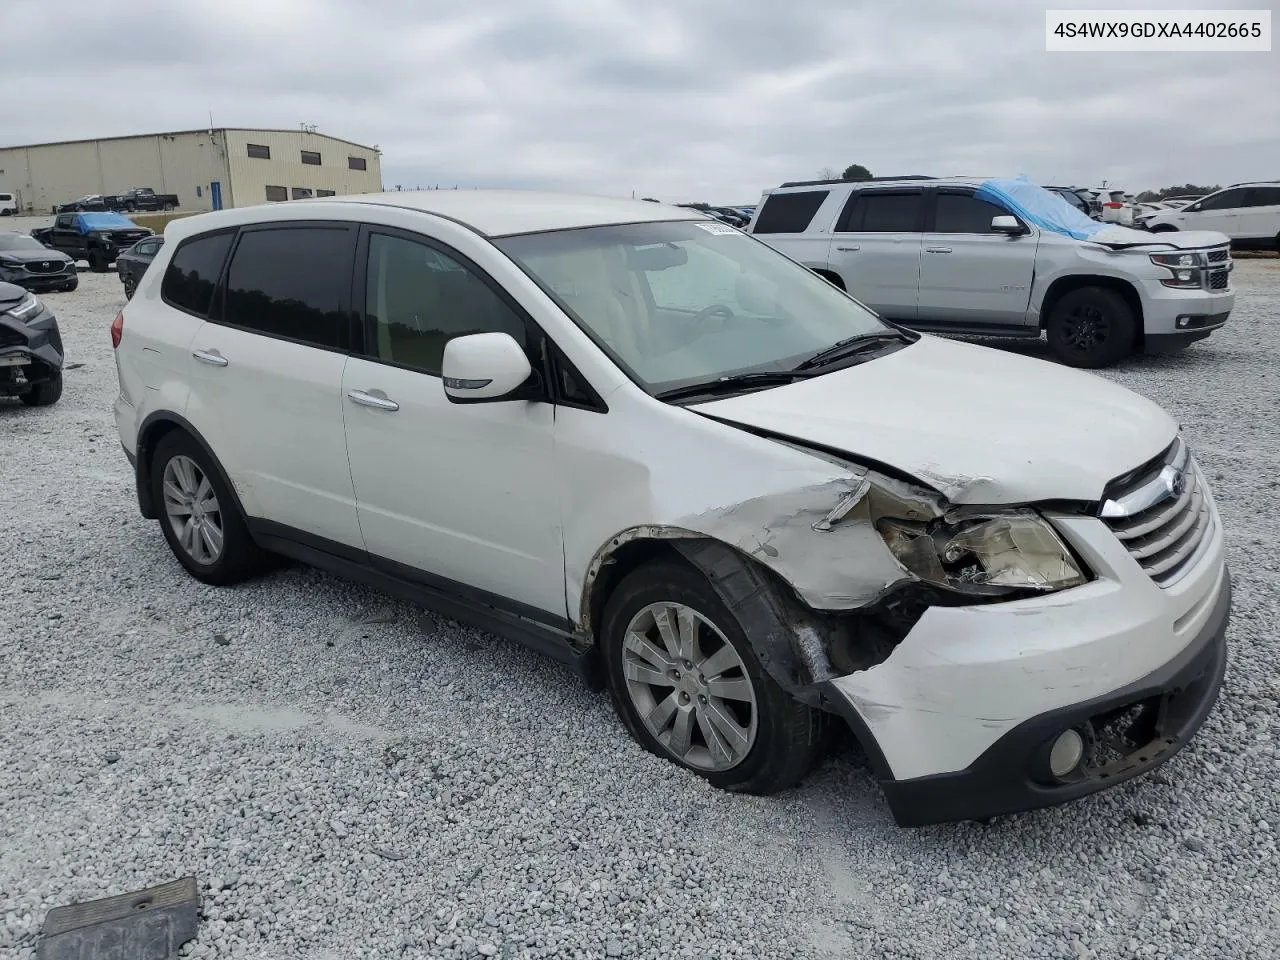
point(325, 193)
point(301, 193)
point(198, 190)
point(311, 157)
point(357, 163)
point(277, 193)
point(259, 151)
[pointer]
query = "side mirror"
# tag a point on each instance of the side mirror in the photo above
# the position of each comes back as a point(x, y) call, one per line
point(1008, 225)
point(483, 368)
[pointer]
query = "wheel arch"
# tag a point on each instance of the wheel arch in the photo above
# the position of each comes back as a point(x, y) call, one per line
point(1061, 286)
point(831, 277)
point(155, 428)
point(788, 638)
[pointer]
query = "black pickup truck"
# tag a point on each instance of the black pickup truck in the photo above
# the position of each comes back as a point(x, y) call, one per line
point(95, 237)
point(144, 198)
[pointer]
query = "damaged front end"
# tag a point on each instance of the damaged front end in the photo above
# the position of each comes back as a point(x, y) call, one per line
point(31, 351)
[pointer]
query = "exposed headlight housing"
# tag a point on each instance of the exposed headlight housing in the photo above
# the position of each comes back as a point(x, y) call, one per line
point(988, 556)
point(27, 309)
point(1185, 268)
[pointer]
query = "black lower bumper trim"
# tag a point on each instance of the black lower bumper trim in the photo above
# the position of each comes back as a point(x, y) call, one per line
point(1008, 777)
point(1199, 327)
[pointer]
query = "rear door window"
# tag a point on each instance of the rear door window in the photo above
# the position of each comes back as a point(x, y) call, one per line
point(883, 211)
point(192, 274)
point(1265, 197)
point(789, 212)
point(293, 283)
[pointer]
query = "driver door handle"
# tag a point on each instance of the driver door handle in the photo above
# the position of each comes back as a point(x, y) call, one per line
point(937, 249)
point(848, 249)
point(211, 357)
point(375, 399)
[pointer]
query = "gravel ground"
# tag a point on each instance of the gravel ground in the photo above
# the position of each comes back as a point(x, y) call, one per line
point(350, 777)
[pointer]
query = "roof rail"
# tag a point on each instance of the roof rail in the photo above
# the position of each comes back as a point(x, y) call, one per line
point(818, 183)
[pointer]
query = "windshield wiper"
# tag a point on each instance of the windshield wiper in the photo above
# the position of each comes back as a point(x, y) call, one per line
point(848, 347)
point(733, 383)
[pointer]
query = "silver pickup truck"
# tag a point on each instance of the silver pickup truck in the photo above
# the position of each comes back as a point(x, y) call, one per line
point(959, 255)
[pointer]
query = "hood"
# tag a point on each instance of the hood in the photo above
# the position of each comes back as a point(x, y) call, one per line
point(1118, 236)
point(34, 256)
point(11, 294)
point(977, 424)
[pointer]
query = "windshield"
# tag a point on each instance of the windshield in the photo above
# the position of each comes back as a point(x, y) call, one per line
point(20, 241)
point(682, 302)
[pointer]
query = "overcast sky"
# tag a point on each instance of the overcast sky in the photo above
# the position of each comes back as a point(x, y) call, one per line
point(679, 99)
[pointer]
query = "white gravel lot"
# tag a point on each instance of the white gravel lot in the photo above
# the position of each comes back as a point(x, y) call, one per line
point(350, 777)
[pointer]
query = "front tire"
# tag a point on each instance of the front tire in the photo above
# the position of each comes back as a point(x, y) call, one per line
point(98, 262)
point(688, 686)
point(44, 394)
point(199, 516)
point(130, 285)
point(1091, 327)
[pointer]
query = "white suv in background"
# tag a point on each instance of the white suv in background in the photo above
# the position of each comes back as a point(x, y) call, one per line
point(1248, 213)
point(8, 204)
point(647, 444)
point(945, 254)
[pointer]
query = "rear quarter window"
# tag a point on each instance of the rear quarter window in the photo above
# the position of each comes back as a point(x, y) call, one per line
point(789, 212)
point(192, 273)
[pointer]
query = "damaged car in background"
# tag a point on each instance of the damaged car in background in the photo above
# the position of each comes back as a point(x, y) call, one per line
point(30, 349)
point(695, 470)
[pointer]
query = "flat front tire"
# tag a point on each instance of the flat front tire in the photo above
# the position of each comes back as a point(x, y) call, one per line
point(1091, 327)
point(688, 686)
point(45, 393)
point(199, 516)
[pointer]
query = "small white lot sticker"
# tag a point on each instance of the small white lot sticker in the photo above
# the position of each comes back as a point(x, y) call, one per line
point(719, 229)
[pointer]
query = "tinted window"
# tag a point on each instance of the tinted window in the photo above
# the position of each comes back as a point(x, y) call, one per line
point(301, 193)
point(418, 299)
point(963, 213)
point(888, 213)
point(324, 193)
point(1225, 200)
point(789, 212)
point(1265, 197)
point(356, 163)
point(259, 151)
point(292, 283)
point(193, 272)
point(277, 193)
point(311, 157)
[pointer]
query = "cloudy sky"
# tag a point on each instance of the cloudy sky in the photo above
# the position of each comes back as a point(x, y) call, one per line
point(679, 99)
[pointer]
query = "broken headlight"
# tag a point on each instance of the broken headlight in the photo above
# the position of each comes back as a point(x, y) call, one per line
point(986, 555)
point(27, 309)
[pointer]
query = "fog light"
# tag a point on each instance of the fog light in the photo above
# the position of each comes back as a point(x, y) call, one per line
point(1183, 321)
point(1066, 753)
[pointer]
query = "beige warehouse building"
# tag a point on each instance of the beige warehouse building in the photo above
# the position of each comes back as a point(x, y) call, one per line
point(208, 169)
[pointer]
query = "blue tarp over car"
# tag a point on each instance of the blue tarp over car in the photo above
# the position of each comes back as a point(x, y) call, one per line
point(103, 221)
point(1044, 208)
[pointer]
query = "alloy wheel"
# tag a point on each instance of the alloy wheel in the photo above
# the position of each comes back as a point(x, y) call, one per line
point(689, 686)
point(192, 509)
point(1085, 327)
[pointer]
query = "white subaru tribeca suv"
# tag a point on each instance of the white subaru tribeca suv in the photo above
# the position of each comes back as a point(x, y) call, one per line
point(648, 444)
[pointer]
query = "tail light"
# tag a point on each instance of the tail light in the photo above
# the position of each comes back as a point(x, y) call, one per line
point(117, 330)
point(1113, 205)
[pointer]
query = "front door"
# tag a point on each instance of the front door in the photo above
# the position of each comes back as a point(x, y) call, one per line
point(215, 195)
point(876, 250)
point(969, 274)
point(1219, 211)
point(462, 497)
point(266, 384)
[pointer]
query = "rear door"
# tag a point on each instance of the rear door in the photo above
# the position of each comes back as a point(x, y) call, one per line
point(788, 223)
point(876, 249)
point(1260, 220)
point(266, 376)
point(969, 274)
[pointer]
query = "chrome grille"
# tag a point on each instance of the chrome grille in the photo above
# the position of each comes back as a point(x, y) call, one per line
point(1218, 280)
point(1162, 515)
point(1219, 255)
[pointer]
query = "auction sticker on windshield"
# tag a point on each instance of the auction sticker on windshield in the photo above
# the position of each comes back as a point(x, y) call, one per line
point(719, 229)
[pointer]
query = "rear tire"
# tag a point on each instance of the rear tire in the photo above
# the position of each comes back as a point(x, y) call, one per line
point(98, 262)
point(130, 285)
point(711, 707)
point(1091, 327)
point(44, 394)
point(198, 515)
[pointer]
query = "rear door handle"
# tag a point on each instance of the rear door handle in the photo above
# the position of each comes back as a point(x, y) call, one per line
point(848, 249)
point(373, 398)
point(937, 249)
point(210, 356)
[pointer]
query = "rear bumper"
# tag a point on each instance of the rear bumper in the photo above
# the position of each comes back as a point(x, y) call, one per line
point(1011, 776)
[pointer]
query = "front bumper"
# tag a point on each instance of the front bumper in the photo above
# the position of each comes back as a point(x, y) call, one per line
point(1201, 312)
point(41, 282)
point(29, 352)
point(957, 719)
